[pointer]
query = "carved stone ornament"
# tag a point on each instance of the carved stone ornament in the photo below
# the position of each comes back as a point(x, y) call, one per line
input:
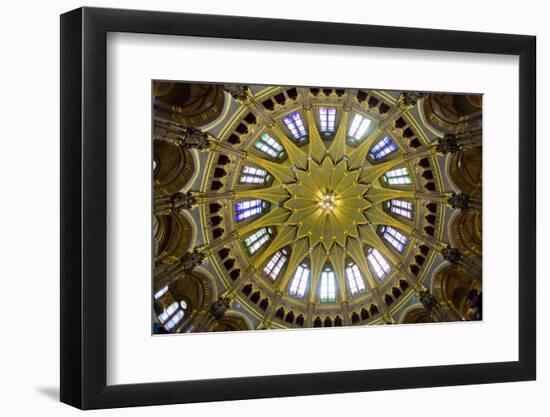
point(447, 144)
point(219, 308)
point(452, 255)
point(428, 300)
point(195, 139)
point(190, 260)
point(459, 201)
point(411, 97)
point(183, 201)
point(238, 91)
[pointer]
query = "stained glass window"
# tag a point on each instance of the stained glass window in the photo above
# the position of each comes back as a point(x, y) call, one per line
point(275, 264)
point(378, 263)
point(399, 176)
point(383, 148)
point(269, 146)
point(161, 292)
point(401, 208)
point(328, 286)
point(358, 127)
point(173, 314)
point(249, 208)
point(295, 125)
point(252, 175)
point(299, 282)
point(257, 239)
point(397, 239)
point(327, 117)
point(355, 279)
point(175, 319)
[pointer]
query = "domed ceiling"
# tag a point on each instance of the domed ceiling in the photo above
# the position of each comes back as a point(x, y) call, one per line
point(287, 207)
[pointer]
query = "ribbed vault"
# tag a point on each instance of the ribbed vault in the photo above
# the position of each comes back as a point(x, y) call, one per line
point(321, 207)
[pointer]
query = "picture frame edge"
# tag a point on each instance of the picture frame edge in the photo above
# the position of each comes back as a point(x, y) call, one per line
point(83, 343)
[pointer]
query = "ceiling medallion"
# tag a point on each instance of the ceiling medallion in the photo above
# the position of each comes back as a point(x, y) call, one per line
point(327, 203)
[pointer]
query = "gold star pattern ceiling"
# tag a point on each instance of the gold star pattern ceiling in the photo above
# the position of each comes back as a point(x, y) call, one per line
point(326, 201)
point(304, 207)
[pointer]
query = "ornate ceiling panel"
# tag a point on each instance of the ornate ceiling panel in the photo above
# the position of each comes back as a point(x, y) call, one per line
point(313, 206)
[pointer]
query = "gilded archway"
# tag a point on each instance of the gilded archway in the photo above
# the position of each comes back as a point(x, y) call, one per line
point(453, 286)
point(173, 167)
point(173, 235)
point(466, 171)
point(416, 314)
point(467, 232)
point(453, 113)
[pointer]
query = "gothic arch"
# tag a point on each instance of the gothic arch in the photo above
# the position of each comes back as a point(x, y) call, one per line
point(232, 321)
point(174, 234)
point(189, 104)
point(196, 289)
point(416, 314)
point(453, 113)
point(466, 230)
point(465, 170)
point(174, 168)
point(451, 286)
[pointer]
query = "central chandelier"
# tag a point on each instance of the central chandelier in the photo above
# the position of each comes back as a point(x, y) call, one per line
point(327, 202)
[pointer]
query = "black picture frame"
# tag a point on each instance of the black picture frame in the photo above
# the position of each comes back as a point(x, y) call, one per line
point(84, 207)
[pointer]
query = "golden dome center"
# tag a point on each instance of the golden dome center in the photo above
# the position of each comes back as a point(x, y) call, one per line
point(327, 202)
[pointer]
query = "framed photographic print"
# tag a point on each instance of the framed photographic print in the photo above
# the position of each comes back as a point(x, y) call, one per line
point(330, 207)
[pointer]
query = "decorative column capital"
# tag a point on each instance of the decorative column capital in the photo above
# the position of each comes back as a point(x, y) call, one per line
point(452, 255)
point(427, 299)
point(190, 260)
point(459, 201)
point(410, 98)
point(183, 201)
point(238, 91)
point(219, 308)
point(193, 138)
point(447, 144)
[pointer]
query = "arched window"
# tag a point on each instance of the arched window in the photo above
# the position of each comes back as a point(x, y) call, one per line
point(249, 208)
point(173, 314)
point(328, 286)
point(378, 263)
point(383, 148)
point(269, 146)
point(401, 208)
point(161, 292)
point(299, 282)
point(358, 128)
point(399, 176)
point(397, 239)
point(295, 125)
point(252, 175)
point(257, 239)
point(276, 263)
point(327, 118)
point(355, 279)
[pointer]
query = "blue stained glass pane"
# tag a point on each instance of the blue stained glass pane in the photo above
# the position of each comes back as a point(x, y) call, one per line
point(246, 209)
point(383, 148)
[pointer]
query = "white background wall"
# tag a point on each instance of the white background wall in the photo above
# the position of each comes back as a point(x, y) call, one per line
point(29, 172)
